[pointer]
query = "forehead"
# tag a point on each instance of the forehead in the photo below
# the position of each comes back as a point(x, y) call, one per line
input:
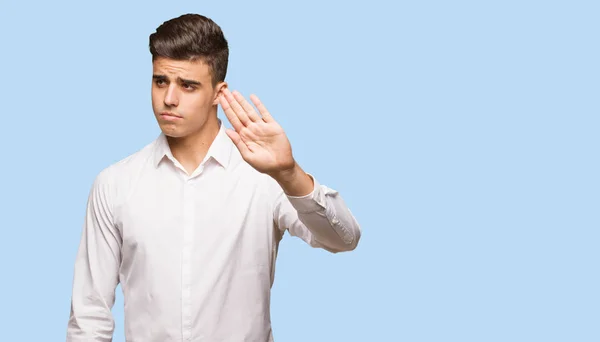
point(196, 69)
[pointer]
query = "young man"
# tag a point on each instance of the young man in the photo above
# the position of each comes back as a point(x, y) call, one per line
point(190, 224)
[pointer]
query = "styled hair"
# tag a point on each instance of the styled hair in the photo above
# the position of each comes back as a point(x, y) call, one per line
point(192, 37)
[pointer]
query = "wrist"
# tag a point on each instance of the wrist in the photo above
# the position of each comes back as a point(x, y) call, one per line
point(294, 181)
point(287, 175)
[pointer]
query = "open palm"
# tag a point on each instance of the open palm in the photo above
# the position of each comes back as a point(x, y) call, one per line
point(259, 138)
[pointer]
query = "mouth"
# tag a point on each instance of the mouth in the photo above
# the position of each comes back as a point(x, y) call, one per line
point(170, 116)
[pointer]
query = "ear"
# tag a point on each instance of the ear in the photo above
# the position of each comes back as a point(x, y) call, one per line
point(219, 91)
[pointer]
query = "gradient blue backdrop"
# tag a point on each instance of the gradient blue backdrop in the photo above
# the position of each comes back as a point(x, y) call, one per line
point(463, 135)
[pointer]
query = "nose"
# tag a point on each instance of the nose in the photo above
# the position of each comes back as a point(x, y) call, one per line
point(171, 97)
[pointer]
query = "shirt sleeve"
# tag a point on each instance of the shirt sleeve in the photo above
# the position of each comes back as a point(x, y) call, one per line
point(96, 268)
point(320, 218)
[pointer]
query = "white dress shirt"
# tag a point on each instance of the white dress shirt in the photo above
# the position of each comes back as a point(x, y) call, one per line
point(194, 254)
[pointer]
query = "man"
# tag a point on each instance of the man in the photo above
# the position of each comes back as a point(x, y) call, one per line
point(190, 224)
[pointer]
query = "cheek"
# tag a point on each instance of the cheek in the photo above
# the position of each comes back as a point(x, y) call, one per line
point(155, 97)
point(199, 103)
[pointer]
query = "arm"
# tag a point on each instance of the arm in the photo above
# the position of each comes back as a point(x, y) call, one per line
point(313, 212)
point(96, 269)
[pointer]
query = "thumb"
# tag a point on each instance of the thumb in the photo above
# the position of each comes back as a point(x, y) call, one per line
point(237, 140)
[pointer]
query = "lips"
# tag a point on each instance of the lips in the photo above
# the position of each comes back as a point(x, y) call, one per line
point(170, 116)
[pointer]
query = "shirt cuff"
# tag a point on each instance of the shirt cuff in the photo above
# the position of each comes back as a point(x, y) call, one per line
point(315, 201)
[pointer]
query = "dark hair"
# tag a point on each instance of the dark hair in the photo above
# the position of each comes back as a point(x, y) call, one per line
point(192, 37)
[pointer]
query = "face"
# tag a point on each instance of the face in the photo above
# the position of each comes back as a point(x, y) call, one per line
point(183, 97)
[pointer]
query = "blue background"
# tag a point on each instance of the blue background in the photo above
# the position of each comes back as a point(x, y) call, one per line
point(463, 135)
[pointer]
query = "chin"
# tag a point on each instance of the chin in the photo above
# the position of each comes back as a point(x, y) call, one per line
point(171, 131)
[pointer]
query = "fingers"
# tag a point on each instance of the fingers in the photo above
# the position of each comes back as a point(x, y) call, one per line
point(230, 114)
point(246, 106)
point(266, 116)
point(237, 140)
point(236, 108)
point(240, 107)
point(240, 112)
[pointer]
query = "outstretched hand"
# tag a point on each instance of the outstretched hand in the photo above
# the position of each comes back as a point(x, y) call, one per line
point(259, 138)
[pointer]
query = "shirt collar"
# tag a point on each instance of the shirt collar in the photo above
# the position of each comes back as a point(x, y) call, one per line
point(219, 150)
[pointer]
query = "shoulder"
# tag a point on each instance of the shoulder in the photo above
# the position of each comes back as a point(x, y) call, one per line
point(115, 178)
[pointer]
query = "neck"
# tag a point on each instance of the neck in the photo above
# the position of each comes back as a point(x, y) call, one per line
point(191, 149)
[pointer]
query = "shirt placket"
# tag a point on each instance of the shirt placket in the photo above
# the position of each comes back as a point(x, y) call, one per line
point(188, 223)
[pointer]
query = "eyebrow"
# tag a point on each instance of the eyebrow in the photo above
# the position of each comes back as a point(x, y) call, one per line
point(182, 80)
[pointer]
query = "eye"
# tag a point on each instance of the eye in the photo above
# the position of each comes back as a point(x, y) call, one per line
point(187, 86)
point(159, 82)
